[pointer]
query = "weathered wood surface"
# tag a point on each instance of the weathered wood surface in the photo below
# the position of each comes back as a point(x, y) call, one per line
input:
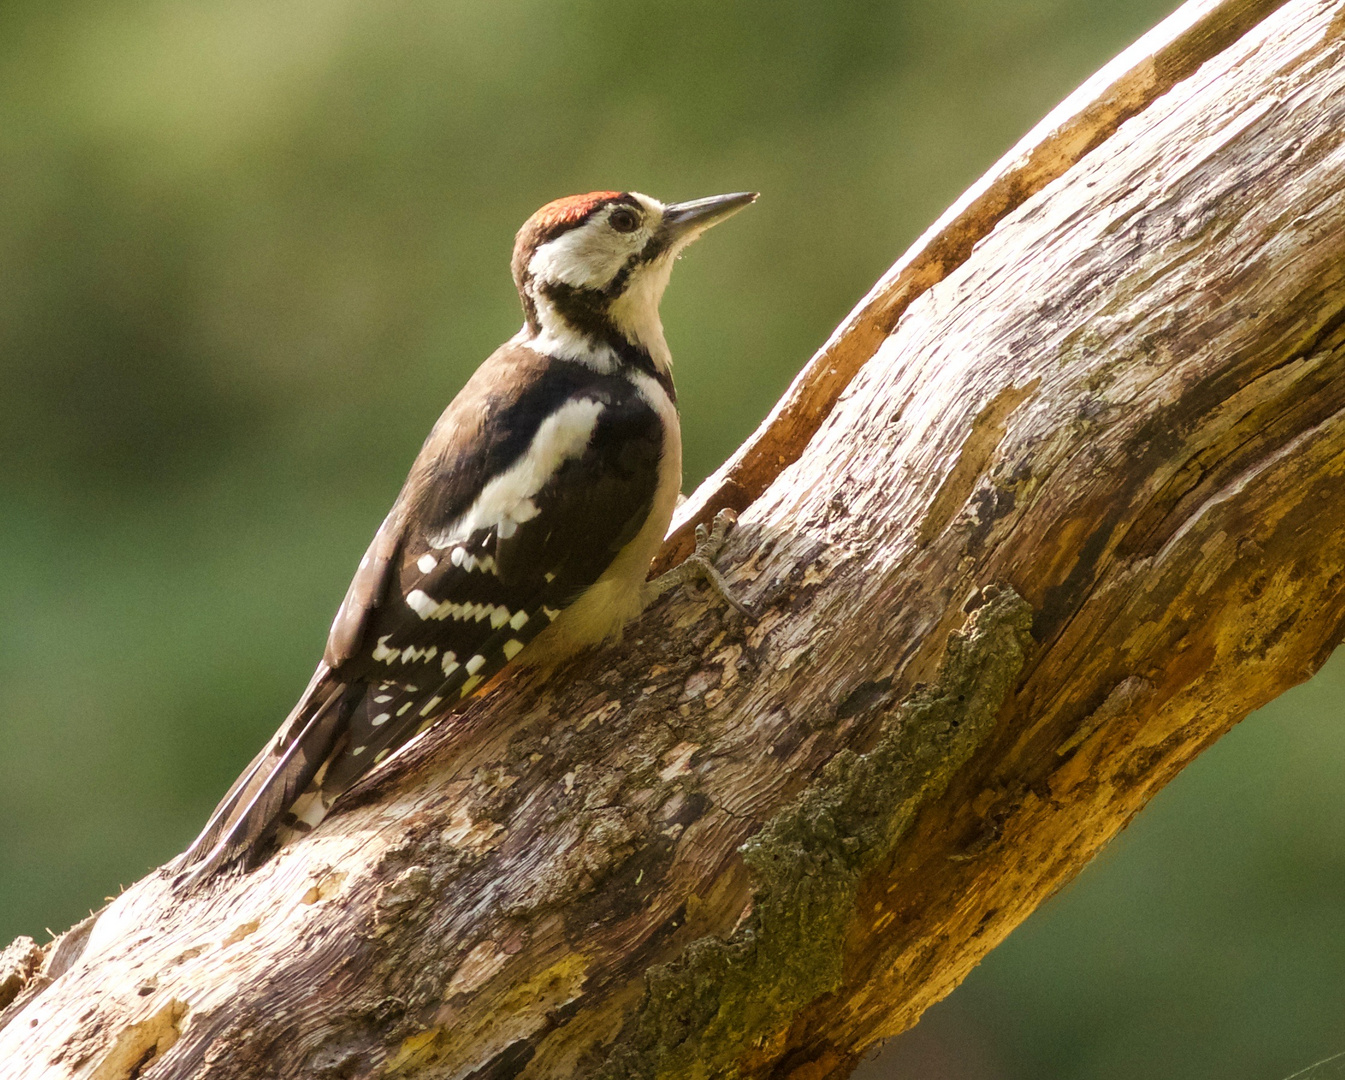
point(1169, 53)
point(1079, 513)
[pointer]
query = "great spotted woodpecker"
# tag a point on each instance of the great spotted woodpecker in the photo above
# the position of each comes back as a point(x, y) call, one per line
point(525, 529)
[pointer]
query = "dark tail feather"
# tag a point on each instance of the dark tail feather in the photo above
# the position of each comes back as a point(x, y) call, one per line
point(378, 725)
point(245, 819)
point(336, 734)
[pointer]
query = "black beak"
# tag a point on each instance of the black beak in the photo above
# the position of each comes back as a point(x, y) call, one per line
point(683, 222)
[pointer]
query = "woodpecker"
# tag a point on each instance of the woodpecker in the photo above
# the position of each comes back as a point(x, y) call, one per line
point(525, 529)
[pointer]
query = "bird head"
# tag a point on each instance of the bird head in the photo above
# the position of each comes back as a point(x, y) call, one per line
point(591, 269)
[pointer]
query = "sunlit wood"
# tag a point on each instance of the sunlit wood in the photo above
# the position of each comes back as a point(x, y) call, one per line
point(1073, 510)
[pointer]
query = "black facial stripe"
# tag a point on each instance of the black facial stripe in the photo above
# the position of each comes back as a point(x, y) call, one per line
point(586, 311)
point(655, 246)
point(570, 305)
point(617, 285)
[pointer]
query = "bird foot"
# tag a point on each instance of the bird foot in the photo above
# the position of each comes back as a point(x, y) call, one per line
point(699, 566)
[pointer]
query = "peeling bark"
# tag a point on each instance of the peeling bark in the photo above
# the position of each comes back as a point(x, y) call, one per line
point(1068, 510)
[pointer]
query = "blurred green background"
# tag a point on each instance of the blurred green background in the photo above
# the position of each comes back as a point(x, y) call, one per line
point(250, 249)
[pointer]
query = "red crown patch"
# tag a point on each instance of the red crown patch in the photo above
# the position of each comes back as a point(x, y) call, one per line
point(570, 209)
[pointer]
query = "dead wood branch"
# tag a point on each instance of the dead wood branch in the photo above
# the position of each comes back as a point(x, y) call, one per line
point(1069, 507)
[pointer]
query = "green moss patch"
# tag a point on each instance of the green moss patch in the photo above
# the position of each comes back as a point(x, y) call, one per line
point(701, 1011)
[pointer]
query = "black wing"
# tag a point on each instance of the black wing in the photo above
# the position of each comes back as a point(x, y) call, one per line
point(451, 590)
point(465, 603)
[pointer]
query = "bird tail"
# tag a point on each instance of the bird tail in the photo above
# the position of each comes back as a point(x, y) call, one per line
point(389, 716)
point(244, 823)
point(336, 734)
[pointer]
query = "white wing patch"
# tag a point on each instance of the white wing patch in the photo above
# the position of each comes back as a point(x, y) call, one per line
point(385, 654)
point(462, 557)
point(422, 603)
point(507, 500)
point(428, 608)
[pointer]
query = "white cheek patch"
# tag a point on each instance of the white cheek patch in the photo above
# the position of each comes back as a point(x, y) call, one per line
point(591, 256)
point(587, 257)
point(507, 501)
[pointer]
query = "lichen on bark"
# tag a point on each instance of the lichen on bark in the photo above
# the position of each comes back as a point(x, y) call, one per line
point(702, 1011)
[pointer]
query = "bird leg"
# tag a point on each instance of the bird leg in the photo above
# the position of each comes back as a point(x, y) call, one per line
point(699, 566)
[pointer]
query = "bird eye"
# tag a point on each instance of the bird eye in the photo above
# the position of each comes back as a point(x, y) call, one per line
point(624, 220)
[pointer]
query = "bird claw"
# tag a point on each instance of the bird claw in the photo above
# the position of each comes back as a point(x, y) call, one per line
point(700, 564)
point(709, 542)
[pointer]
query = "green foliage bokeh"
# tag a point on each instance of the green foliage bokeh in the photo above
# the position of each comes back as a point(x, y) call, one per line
point(250, 249)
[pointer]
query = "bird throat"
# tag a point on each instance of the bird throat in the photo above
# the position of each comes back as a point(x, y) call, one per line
point(576, 323)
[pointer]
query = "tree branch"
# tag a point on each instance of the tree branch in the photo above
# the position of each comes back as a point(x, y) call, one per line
point(1076, 513)
point(1169, 53)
